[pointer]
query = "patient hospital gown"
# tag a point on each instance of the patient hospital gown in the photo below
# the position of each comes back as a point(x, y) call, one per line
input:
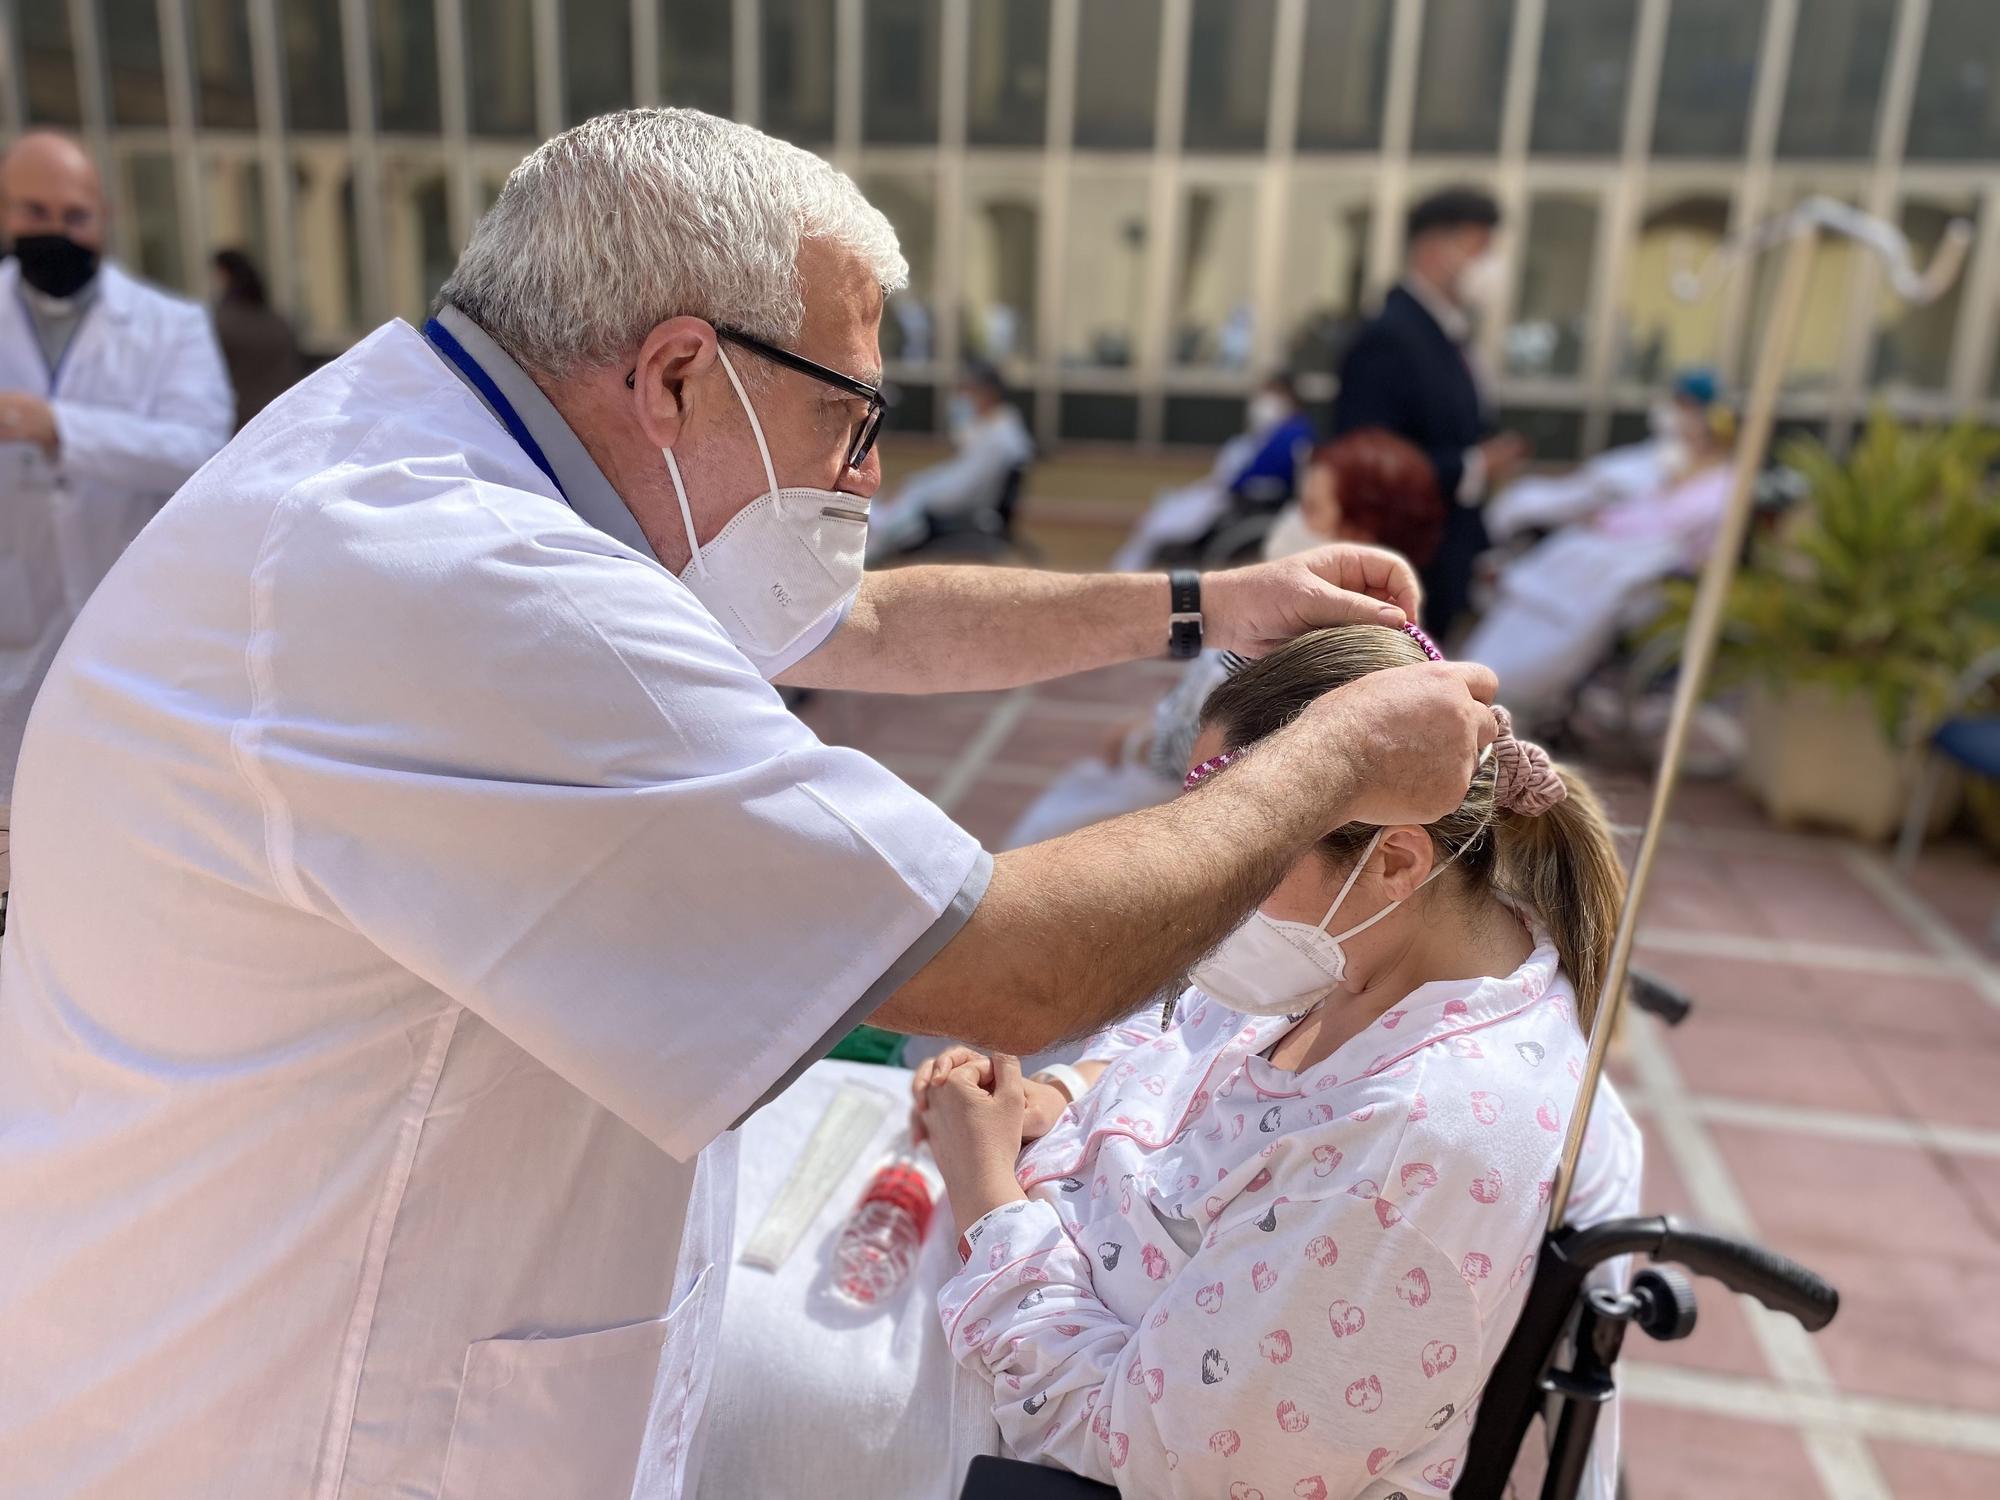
point(1233, 1280)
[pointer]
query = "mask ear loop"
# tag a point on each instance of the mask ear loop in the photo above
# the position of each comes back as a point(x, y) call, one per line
point(763, 452)
point(756, 427)
point(1437, 870)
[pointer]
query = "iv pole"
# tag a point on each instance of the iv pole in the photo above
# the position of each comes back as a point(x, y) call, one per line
point(1799, 232)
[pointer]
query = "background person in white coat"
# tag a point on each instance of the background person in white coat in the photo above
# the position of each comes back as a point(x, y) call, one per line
point(111, 394)
point(418, 871)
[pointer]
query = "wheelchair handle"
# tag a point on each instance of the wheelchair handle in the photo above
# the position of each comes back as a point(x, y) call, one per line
point(1777, 1281)
point(1659, 999)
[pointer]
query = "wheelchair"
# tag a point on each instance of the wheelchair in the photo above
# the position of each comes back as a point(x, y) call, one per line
point(1558, 1362)
point(987, 536)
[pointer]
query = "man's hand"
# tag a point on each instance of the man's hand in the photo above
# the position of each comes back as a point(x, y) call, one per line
point(26, 418)
point(972, 1118)
point(1409, 739)
point(1506, 455)
point(1257, 609)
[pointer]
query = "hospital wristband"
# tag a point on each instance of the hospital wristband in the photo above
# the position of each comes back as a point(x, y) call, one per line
point(1064, 1077)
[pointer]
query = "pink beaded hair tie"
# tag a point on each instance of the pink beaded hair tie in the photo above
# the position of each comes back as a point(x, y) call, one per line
point(1429, 647)
point(1208, 768)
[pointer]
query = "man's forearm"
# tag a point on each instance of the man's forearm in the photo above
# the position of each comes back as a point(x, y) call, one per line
point(961, 629)
point(1074, 933)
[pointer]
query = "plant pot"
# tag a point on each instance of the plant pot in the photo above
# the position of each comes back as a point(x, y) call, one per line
point(1819, 758)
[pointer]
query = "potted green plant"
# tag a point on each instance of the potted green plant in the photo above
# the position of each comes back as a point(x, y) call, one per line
point(1857, 613)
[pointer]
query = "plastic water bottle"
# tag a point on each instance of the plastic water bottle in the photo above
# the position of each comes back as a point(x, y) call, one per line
point(879, 1243)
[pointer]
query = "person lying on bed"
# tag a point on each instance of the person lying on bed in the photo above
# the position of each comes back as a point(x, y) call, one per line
point(1278, 1241)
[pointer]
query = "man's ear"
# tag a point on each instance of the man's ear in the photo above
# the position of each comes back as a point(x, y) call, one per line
point(1407, 857)
point(670, 357)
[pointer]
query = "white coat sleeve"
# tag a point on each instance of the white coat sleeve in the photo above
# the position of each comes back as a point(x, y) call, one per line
point(1301, 1358)
point(544, 783)
point(154, 452)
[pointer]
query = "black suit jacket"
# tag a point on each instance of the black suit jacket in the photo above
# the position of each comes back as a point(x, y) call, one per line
point(1403, 373)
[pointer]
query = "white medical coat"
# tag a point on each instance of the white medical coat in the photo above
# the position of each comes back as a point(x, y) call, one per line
point(141, 400)
point(411, 880)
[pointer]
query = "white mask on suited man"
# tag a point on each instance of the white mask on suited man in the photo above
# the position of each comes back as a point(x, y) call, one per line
point(1482, 281)
point(780, 575)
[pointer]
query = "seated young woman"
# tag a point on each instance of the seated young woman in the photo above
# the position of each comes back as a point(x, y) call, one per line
point(1277, 1243)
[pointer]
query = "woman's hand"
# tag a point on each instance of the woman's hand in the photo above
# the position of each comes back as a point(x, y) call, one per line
point(973, 1117)
point(1043, 1103)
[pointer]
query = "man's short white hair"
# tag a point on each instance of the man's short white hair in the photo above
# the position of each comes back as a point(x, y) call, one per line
point(636, 217)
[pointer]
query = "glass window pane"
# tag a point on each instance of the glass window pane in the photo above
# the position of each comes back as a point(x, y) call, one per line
point(1708, 77)
point(1326, 261)
point(1580, 82)
point(225, 98)
point(1117, 70)
point(48, 65)
point(1229, 74)
point(1008, 100)
point(1552, 303)
point(1839, 55)
point(909, 323)
point(597, 58)
point(1657, 332)
point(698, 54)
point(798, 70)
point(156, 219)
point(500, 69)
point(1003, 225)
point(130, 32)
point(1104, 271)
point(329, 252)
point(417, 225)
point(233, 200)
point(1956, 113)
point(1346, 62)
point(1212, 325)
point(1461, 73)
point(1815, 357)
point(899, 78)
point(404, 36)
point(1913, 344)
point(315, 78)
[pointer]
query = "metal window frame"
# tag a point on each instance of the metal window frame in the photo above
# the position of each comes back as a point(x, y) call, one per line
point(1386, 175)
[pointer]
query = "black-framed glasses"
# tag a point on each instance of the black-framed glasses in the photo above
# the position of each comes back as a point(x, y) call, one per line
point(863, 441)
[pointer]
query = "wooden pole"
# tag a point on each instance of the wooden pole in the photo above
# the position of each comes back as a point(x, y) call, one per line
point(1704, 632)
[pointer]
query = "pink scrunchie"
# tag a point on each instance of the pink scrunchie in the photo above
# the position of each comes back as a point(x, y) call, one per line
point(1524, 778)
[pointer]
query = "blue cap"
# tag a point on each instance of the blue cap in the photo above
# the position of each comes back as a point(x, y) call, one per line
point(1697, 384)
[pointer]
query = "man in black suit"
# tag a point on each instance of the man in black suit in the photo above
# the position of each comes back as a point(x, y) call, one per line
point(1408, 371)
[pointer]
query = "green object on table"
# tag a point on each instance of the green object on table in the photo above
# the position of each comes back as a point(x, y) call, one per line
point(871, 1044)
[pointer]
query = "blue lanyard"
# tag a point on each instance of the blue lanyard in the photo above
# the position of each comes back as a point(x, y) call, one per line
point(441, 340)
point(34, 332)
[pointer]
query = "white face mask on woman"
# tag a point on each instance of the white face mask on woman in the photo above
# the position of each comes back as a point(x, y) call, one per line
point(781, 574)
point(1271, 967)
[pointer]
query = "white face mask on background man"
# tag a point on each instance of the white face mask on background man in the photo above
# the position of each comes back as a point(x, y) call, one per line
point(1266, 410)
point(781, 574)
point(1483, 281)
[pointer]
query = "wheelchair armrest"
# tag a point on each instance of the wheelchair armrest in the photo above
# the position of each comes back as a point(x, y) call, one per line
point(1010, 1479)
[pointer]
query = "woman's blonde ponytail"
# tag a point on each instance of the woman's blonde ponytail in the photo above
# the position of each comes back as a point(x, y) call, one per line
point(1563, 865)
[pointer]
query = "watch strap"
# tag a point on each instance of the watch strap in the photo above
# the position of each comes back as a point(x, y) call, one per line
point(1184, 627)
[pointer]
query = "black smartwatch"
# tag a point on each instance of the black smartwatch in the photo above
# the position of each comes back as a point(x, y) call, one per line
point(1184, 623)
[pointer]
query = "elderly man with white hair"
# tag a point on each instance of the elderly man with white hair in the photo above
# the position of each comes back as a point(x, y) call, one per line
point(417, 875)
